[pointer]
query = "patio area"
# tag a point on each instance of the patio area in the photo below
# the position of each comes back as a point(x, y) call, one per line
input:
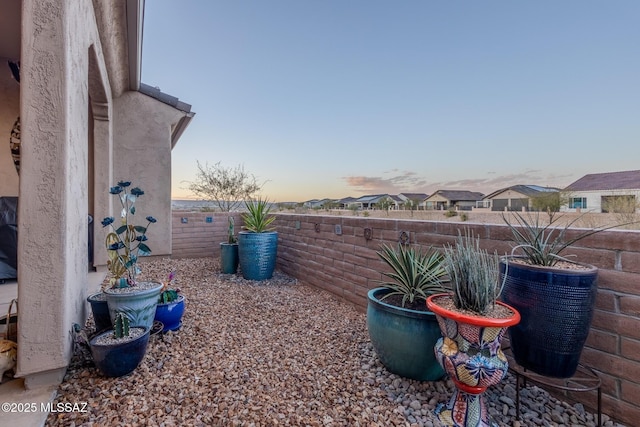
point(273, 353)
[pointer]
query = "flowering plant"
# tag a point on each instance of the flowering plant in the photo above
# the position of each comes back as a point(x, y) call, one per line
point(126, 242)
point(168, 294)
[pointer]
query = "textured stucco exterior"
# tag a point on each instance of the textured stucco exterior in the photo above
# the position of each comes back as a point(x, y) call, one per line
point(84, 127)
point(142, 135)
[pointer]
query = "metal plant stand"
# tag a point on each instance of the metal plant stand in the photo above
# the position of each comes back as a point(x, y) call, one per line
point(585, 379)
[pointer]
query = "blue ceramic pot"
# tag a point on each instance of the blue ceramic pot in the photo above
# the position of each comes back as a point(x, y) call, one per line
point(403, 339)
point(116, 360)
point(100, 311)
point(257, 253)
point(556, 307)
point(170, 314)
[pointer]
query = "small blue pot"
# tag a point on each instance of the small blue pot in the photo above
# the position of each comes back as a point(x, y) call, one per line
point(170, 314)
point(117, 360)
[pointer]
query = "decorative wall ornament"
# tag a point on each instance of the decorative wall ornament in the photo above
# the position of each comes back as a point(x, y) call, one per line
point(403, 238)
point(14, 144)
point(317, 227)
point(368, 233)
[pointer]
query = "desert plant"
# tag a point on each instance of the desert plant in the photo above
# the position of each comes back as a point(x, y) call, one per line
point(542, 243)
point(474, 274)
point(226, 187)
point(231, 236)
point(450, 213)
point(120, 326)
point(168, 294)
point(415, 274)
point(258, 217)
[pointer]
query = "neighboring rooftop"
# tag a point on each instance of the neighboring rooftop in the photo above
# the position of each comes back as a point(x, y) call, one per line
point(626, 180)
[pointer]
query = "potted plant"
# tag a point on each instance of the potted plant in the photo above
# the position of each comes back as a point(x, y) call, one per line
point(120, 350)
point(170, 307)
point(229, 251)
point(127, 242)
point(472, 324)
point(401, 328)
point(554, 295)
point(258, 245)
point(100, 310)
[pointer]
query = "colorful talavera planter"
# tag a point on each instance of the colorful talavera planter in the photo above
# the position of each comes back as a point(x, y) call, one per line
point(470, 353)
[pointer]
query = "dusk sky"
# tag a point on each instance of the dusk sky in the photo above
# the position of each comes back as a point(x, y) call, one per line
point(344, 98)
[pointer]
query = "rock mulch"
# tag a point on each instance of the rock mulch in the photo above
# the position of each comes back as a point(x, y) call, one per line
point(273, 353)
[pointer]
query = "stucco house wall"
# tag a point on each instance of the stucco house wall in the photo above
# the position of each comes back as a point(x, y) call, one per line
point(84, 127)
point(594, 199)
point(142, 143)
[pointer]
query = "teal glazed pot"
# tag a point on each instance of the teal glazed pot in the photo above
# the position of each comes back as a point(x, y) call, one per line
point(138, 303)
point(229, 258)
point(403, 339)
point(257, 253)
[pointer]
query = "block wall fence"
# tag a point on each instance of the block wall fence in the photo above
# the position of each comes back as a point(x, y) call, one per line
point(338, 254)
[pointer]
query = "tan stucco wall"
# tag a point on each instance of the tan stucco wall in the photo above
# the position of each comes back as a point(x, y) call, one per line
point(52, 268)
point(9, 112)
point(142, 141)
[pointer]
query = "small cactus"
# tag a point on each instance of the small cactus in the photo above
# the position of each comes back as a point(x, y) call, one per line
point(121, 325)
point(232, 237)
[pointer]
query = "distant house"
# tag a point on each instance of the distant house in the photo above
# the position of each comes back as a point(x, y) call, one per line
point(371, 201)
point(413, 200)
point(317, 204)
point(345, 202)
point(605, 192)
point(452, 199)
point(516, 197)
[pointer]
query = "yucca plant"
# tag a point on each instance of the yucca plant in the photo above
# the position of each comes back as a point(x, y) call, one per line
point(473, 273)
point(258, 217)
point(542, 243)
point(415, 274)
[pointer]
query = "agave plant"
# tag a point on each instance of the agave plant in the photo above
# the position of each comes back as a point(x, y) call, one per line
point(258, 217)
point(541, 243)
point(473, 273)
point(415, 274)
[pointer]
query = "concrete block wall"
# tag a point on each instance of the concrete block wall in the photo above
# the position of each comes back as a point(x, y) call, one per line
point(336, 254)
point(195, 237)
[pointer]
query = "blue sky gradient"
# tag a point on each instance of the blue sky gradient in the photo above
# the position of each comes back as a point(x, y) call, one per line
point(344, 98)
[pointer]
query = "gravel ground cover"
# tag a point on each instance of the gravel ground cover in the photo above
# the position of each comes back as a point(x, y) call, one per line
point(272, 353)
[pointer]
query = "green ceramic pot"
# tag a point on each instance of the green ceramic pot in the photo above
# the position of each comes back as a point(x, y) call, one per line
point(403, 339)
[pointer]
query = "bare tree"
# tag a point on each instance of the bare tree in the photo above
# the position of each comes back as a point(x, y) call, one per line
point(226, 187)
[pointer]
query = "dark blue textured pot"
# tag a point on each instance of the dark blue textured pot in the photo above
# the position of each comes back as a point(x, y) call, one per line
point(229, 258)
point(120, 359)
point(556, 308)
point(257, 253)
point(403, 339)
point(170, 314)
point(100, 310)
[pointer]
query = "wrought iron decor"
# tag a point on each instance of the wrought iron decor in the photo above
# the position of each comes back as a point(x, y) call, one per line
point(403, 238)
point(368, 233)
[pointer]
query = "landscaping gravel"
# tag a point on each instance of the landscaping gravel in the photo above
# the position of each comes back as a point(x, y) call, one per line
point(273, 353)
